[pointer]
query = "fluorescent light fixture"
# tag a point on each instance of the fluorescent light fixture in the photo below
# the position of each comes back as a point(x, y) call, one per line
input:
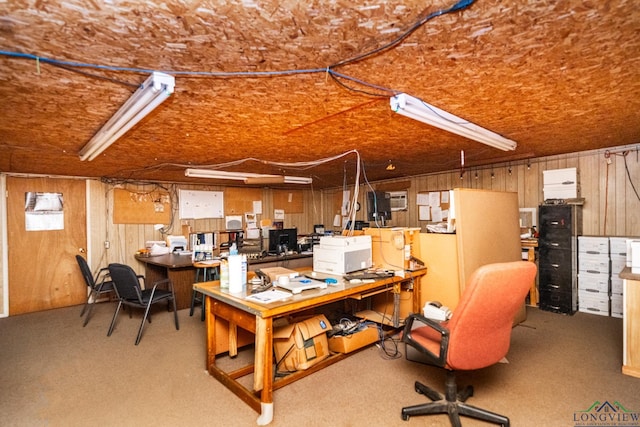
point(149, 95)
point(417, 109)
point(247, 177)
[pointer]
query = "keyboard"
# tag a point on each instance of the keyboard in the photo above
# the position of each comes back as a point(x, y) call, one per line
point(368, 275)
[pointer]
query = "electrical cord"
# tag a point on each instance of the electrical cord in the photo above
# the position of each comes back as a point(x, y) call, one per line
point(68, 65)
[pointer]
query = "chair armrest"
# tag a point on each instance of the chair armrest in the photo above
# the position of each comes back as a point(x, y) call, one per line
point(167, 282)
point(438, 359)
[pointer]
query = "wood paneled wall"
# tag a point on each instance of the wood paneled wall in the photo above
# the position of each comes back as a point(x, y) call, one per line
point(611, 206)
point(608, 185)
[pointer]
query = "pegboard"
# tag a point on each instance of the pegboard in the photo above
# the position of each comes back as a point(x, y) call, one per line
point(132, 207)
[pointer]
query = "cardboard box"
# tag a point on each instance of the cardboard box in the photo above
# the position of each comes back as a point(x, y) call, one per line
point(300, 345)
point(349, 343)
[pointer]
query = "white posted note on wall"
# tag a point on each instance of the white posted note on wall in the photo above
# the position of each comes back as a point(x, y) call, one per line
point(195, 204)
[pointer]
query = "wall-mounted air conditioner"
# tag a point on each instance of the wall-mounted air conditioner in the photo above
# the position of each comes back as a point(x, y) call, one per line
point(398, 200)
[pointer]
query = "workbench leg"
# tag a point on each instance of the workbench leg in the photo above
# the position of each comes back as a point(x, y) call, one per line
point(263, 372)
point(211, 333)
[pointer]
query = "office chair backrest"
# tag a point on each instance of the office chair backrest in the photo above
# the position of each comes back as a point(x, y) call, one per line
point(125, 282)
point(481, 324)
point(86, 271)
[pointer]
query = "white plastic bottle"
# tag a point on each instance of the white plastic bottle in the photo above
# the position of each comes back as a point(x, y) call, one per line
point(244, 271)
point(235, 270)
point(224, 274)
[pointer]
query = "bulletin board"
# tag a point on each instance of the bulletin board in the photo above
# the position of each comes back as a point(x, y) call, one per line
point(130, 207)
point(239, 201)
point(433, 206)
point(196, 204)
point(288, 200)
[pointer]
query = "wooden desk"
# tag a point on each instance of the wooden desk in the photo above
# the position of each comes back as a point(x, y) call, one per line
point(631, 323)
point(258, 319)
point(293, 262)
point(181, 271)
point(178, 268)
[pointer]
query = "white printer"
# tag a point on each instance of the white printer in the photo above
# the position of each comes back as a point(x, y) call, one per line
point(342, 254)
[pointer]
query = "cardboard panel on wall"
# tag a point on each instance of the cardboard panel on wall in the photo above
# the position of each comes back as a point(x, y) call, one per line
point(289, 200)
point(238, 201)
point(433, 206)
point(132, 207)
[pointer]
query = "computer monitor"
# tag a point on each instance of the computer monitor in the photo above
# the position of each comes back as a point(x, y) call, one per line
point(358, 225)
point(282, 241)
point(378, 207)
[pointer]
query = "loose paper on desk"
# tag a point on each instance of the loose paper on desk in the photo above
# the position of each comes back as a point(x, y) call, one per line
point(269, 296)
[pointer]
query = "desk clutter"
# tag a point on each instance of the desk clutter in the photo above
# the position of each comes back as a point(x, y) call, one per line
point(304, 342)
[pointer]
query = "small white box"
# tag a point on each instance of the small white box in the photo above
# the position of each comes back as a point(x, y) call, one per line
point(594, 264)
point(560, 183)
point(593, 282)
point(593, 303)
point(560, 192)
point(593, 245)
point(635, 256)
point(617, 306)
point(567, 176)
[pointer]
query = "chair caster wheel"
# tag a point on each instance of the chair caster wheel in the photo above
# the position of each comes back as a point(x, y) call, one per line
point(405, 417)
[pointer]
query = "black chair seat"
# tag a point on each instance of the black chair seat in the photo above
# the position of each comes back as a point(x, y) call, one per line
point(159, 295)
point(127, 285)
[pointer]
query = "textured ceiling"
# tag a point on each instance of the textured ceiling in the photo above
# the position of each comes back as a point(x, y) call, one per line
point(555, 76)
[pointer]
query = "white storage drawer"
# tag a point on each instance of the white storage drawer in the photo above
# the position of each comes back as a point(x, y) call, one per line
point(617, 264)
point(595, 264)
point(618, 246)
point(593, 303)
point(593, 282)
point(616, 306)
point(593, 245)
point(616, 285)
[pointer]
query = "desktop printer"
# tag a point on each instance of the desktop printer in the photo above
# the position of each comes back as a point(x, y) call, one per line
point(342, 254)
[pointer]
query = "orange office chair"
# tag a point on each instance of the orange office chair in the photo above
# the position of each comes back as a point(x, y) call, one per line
point(477, 335)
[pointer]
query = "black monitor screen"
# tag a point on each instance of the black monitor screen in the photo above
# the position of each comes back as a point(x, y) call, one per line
point(378, 206)
point(283, 240)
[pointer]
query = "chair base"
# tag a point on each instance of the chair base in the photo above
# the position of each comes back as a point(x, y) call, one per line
point(452, 404)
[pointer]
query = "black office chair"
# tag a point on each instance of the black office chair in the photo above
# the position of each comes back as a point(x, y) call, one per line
point(98, 285)
point(129, 292)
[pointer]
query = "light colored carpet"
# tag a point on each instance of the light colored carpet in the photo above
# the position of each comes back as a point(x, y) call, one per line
point(54, 372)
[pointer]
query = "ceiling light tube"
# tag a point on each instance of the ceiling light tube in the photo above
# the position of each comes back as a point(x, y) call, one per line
point(247, 177)
point(417, 109)
point(149, 95)
point(297, 180)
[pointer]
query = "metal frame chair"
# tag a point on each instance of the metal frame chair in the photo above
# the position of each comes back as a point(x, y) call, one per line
point(129, 291)
point(98, 285)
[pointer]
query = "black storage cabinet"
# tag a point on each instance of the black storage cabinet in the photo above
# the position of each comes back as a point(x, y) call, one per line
point(560, 226)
